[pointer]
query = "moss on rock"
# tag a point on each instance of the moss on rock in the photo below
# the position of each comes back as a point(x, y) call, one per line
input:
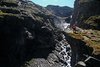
point(94, 22)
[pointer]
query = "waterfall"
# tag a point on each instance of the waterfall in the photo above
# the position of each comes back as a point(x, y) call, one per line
point(64, 54)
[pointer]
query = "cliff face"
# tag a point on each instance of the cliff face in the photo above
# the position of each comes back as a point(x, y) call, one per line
point(28, 37)
point(86, 20)
point(87, 14)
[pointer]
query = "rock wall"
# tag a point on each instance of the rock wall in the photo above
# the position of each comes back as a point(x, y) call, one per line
point(83, 11)
point(86, 16)
point(28, 37)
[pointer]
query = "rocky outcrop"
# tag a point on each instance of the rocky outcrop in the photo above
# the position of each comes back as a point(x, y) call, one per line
point(86, 14)
point(82, 55)
point(28, 37)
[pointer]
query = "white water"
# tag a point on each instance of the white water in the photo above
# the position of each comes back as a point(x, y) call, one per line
point(65, 52)
point(66, 48)
point(61, 24)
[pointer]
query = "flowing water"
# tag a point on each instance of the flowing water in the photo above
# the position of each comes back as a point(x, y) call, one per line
point(66, 48)
point(65, 53)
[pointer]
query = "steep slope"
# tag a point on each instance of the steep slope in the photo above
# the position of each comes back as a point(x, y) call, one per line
point(87, 14)
point(28, 37)
point(60, 11)
point(85, 24)
point(63, 14)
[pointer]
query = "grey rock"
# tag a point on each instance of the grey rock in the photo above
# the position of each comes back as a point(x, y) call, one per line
point(52, 58)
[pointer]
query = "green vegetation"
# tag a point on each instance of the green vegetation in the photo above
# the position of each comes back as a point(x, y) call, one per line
point(93, 21)
point(10, 1)
point(1, 12)
point(5, 14)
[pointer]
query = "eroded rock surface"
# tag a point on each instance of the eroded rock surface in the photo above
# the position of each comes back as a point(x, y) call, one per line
point(86, 14)
point(28, 37)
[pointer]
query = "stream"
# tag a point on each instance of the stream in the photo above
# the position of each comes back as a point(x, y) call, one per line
point(65, 52)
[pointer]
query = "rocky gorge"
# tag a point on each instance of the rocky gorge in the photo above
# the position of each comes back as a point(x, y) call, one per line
point(30, 38)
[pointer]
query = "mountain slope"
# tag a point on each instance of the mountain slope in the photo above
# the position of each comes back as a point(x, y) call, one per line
point(60, 11)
